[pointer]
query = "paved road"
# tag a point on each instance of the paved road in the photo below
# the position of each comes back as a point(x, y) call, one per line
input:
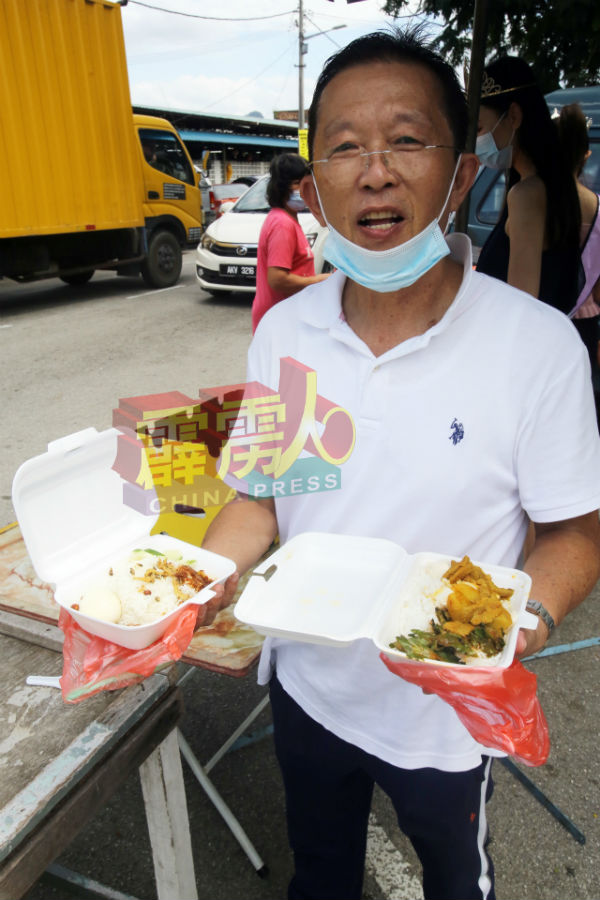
point(69, 355)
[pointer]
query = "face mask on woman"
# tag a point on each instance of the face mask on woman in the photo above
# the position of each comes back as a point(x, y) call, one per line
point(296, 202)
point(489, 154)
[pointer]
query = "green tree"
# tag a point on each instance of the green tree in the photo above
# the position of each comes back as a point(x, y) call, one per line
point(560, 39)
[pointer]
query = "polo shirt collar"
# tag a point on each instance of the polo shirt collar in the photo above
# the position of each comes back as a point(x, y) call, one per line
point(323, 308)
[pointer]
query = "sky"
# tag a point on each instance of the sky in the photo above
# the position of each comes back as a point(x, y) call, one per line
point(239, 67)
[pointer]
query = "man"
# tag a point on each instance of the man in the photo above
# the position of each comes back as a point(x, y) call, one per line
point(465, 426)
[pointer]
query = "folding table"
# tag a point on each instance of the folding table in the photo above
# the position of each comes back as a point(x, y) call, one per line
point(144, 717)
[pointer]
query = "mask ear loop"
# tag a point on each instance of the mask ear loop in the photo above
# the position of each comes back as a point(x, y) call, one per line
point(451, 218)
point(512, 136)
point(503, 116)
point(452, 213)
point(331, 228)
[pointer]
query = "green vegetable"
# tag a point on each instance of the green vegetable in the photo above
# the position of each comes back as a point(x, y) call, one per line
point(445, 646)
point(139, 554)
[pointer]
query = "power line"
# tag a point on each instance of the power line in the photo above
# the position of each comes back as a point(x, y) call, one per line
point(324, 33)
point(249, 81)
point(175, 12)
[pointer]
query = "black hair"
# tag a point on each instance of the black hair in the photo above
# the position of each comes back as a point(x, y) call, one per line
point(285, 168)
point(397, 45)
point(509, 79)
point(573, 136)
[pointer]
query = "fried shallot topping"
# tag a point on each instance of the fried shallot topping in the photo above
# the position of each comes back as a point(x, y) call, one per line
point(180, 576)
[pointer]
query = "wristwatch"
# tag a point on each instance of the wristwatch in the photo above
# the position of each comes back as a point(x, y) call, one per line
point(536, 607)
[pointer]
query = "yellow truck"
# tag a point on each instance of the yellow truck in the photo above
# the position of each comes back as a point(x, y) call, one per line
point(86, 184)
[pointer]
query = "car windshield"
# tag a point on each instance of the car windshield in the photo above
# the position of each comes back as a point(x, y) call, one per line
point(228, 191)
point(254, 200)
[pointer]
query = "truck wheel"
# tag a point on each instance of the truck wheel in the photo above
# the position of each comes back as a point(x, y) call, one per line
point(162, 266)
point(77, 278)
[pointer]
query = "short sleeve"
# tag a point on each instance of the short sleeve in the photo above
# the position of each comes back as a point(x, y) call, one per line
point(558, 447)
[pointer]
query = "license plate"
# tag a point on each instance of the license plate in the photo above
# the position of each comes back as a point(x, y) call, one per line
point(237, 271)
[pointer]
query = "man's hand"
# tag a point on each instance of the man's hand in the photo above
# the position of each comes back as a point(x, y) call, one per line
point(243, 530)
point(226, 591)
point(224, 595)
point(530, 641)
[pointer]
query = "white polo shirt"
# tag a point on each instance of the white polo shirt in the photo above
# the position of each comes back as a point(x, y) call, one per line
point(459, 432)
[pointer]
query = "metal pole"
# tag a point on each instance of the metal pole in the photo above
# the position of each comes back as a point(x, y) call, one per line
point(213, 795)
point(480, 21)
point(300, 65)
point(541, 797)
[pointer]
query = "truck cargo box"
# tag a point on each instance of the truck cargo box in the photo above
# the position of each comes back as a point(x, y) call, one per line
point(68, 157)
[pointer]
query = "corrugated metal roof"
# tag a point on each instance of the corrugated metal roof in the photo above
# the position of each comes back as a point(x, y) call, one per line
point(216, 137)
point(206, 119)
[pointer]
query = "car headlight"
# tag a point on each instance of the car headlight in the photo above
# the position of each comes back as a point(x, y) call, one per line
point(206, 242)
point(311, 238)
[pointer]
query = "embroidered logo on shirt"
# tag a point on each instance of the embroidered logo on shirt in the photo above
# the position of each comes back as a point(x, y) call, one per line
point(458, 432)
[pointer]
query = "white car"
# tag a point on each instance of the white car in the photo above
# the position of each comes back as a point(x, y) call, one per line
point(226, 255)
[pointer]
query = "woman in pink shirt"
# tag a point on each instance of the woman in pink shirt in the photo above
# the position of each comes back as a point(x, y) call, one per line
point(285, 262)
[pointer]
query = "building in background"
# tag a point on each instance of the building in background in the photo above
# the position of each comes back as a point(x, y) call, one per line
point(227, 147)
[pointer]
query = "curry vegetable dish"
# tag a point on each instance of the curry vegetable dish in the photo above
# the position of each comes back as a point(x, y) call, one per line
point(473, 622)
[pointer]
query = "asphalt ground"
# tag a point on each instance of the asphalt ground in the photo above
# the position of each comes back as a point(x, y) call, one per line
point(67, 360)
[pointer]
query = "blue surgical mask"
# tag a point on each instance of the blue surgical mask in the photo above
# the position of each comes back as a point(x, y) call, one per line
point(296, 202)
point(388, 270)
point(489, 154)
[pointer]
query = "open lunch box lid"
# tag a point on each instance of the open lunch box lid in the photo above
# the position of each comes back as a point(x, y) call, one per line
point(69, 505)
point(334, 589)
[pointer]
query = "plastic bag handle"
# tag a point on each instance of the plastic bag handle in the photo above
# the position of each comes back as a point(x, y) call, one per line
point(43, 680)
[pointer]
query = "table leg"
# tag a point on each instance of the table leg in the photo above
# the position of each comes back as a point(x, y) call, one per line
point(236, 734)
point(161, 776)
point(211, 791)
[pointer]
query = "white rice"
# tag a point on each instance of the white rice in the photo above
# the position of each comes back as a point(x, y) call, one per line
point(420, 594)
point(138, 607)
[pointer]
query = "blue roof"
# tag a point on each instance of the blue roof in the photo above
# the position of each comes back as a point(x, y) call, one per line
point(217, 137)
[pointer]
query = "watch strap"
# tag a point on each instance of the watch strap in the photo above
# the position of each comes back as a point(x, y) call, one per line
point(538, 609)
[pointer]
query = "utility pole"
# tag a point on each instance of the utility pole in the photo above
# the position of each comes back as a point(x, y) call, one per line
point(302, 50)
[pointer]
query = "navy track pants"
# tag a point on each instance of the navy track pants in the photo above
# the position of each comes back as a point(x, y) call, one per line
point(329, 785)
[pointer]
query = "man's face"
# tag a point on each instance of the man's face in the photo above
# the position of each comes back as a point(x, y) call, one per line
point(379, 106)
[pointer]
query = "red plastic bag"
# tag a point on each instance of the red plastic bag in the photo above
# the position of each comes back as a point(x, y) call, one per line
point(498, 706)
point(92, 664)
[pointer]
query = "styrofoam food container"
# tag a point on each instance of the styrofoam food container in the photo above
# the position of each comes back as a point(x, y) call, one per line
point(69, 505)
point(334, 589)
point(136, 637)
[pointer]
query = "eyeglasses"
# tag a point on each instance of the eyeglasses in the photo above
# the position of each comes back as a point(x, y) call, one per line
point(405, 157)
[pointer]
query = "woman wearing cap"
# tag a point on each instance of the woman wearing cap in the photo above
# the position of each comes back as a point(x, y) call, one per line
point(285, 262)
point(535, 245)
